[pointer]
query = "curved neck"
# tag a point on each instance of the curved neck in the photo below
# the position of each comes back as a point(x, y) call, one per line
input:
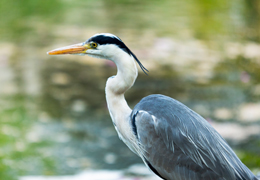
point(117, 85)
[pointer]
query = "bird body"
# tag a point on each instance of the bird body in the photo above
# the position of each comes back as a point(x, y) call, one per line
point(180, 144)
point(174, 142)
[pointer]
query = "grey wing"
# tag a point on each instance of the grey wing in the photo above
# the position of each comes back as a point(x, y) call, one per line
point(180, 144)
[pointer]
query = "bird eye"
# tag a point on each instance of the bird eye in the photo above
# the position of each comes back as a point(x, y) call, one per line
point(93, 44)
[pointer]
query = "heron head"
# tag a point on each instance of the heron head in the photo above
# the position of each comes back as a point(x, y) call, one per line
point(100, 46)
point(104, 45)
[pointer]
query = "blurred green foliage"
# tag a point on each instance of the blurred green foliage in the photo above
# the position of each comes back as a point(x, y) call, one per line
point(17, 17)
point(18, 155)
point(234, 19)
point(31, 23)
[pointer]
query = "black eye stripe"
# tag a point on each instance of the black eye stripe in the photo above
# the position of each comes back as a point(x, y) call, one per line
point(103, 39)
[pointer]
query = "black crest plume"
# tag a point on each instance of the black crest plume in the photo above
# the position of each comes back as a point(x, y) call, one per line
point(103, 39)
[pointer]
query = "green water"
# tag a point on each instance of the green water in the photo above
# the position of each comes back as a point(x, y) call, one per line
point(53, 115)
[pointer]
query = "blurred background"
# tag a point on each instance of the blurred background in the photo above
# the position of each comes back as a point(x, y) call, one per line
point(53, 115)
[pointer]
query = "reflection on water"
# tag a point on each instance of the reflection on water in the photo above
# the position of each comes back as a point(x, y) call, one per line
point(53, 114)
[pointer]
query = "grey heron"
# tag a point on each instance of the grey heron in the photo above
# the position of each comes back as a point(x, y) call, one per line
point(173, 141)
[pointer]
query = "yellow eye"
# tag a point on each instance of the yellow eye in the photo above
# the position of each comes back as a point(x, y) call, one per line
point(93, 44)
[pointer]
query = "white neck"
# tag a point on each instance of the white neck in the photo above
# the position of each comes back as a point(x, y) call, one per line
point(116, 86)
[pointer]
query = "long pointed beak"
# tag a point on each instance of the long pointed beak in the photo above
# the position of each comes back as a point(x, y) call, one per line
point(72, 49)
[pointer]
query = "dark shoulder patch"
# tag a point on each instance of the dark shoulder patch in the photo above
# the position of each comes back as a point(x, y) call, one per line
point(134, 124)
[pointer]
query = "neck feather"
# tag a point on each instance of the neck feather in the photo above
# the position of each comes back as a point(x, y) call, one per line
point(126, 74)
point(117, 85)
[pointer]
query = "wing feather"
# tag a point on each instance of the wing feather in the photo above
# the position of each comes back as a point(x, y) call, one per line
point(180, 144)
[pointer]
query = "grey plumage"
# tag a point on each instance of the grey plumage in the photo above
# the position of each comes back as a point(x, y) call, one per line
point(173, 141)
point(180, 144)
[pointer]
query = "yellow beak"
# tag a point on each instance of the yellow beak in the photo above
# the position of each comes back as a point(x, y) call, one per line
point(80, 48)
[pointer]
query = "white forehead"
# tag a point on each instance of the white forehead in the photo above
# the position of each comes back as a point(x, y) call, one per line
point(108, 35)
